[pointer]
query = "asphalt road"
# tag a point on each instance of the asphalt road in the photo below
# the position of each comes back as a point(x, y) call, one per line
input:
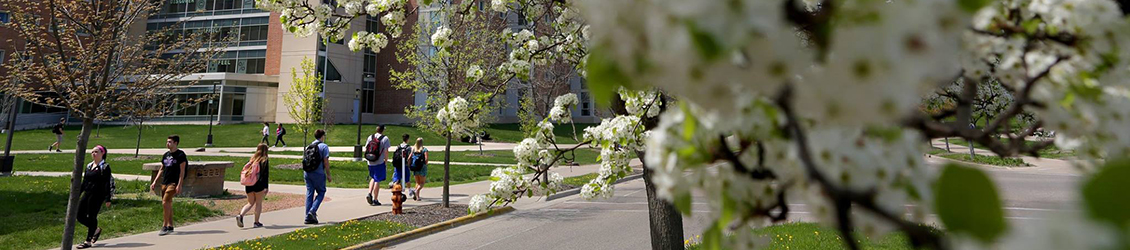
point(1031, 195)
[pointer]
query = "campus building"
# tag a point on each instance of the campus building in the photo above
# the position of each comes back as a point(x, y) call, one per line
point(253, 73)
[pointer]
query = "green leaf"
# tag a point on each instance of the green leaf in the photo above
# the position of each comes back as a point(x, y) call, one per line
point(967, 202)
point(426, 2)
point(704, 42)
point(1105, 194)
point(690, 124)
point(712, 238)
point(972, 5)
point(683, 203)
point(604, 76)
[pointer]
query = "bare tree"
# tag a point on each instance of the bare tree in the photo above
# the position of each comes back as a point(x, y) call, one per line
point(79, 55)
point(163, 104)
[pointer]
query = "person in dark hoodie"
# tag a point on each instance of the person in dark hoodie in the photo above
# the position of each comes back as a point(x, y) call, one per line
point(97, 189)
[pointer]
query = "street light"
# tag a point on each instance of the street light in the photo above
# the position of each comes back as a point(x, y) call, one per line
point(357, 110)
point(209, 143)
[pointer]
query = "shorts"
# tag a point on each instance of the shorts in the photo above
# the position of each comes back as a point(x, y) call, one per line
point(59, 138)
point(377, 172)
point(168, 191)
point(423, 172)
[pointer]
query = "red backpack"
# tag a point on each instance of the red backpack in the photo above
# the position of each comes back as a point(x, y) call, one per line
point(250, 174)
point(373, 149)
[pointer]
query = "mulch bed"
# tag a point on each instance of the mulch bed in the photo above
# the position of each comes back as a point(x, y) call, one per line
point(292, 166)
point(423, 215)
point(131, 158)
point(232, 203)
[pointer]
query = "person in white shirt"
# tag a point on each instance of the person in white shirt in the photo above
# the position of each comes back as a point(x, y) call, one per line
point(376, 154)
point(266, 133)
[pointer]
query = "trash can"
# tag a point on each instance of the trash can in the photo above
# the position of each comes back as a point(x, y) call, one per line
point(6, 164)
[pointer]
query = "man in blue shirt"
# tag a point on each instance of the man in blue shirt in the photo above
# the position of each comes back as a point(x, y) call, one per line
point(316, 180)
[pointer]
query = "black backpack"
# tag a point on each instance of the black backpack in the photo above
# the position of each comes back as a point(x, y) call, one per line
point(418, 161)
point(398, 157)
point(311, 158)
point(283, 132)
point(373, 149)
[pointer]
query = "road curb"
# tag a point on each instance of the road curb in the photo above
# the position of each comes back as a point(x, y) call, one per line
point(427, 230)
point(575, 191)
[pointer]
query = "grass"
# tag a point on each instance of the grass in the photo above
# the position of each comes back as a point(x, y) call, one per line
point(583, 156)
point(346, 174)
point(34, 209)
point(580, 180)
point(247, 135)
point(816, 237)
point(980, 158)
point(335, 236)
point(1051, 151)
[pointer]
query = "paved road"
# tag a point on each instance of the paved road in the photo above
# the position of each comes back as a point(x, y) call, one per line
point(1031, 195)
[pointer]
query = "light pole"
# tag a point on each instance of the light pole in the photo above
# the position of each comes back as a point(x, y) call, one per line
point(357, 110)
point(210, 119)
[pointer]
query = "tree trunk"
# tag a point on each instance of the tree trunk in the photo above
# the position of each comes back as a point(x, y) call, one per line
point(76, 182)
point(665, 220)
point(447, 172)
point(137, 150)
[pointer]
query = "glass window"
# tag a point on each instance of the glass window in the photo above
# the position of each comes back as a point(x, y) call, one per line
point(4, 17)
point(370, 63)
point(253, 33)
point(332, 74)
point(586, 105)
point(2, 56)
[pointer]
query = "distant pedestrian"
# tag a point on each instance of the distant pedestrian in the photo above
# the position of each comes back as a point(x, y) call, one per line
point(279, 133)
point(316, 172)
point(376, 154)
point(97, 189)
point(400, 169)
point(266, 133)
point(171, 176)
point(419, 161)
point(58, 131)
point(254, 177)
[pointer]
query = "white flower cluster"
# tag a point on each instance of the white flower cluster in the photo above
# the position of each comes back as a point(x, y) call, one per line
point(364, 39)
point(641, 102)
point(524, 46)
point(304, 21)
point(479, 203)
point(474, 73)
point(499, 5)
point(457, 114)
point(441, 38)
point(507, 181)
point(527, 152)
point(562, 106)
point(619, 138)
point(623, 131)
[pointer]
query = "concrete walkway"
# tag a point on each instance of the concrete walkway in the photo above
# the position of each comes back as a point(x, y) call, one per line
point(1039, 165)
point(346, 204)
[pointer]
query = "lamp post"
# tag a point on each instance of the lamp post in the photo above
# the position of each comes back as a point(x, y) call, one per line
point(357, 111)
point(210, 117)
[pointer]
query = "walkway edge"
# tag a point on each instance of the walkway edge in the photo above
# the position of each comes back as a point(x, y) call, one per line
point(576, 191)
point(430, 229)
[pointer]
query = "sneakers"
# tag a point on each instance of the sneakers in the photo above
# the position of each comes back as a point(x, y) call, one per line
point(58, 150)
point(165, 231)
point(369, 199)
point(257, 225)
point(239, 221)
point(311, 219)
point(376, 203)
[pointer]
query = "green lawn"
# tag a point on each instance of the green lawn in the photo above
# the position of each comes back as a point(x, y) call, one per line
point(1050, 152)
point(346, 174)
point(511, 132)
point(583, 156)
point(34, 209)
point(335, 236)
point(247, 135)
point(980, 158)
point(580, 180)
point(811, 236)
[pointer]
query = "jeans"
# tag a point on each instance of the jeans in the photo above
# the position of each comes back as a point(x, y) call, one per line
point(315, 183)
point(279, 139)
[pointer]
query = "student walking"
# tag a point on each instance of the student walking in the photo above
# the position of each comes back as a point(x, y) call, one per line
point(279, 133)
point(58, 131)
point(376, 154)
point(97, 189)
point(266, 133)
point(171, 176)
point(316, 172)
point(400, 164)
point(419, 161)
point(254, 177)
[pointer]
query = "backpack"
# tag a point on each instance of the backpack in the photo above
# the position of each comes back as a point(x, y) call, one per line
point(311, 158)
point(373, 149)
point(250, 174)
point(283, 132)
point(418, 161)
point(398, 157)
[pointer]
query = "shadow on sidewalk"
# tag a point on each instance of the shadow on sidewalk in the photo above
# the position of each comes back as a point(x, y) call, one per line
point(198, 232)
point(123, 245)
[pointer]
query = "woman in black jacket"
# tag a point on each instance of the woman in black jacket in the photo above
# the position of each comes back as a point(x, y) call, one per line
point(97, 189)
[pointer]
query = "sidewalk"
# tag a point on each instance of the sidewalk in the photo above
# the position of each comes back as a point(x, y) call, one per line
point(1039, 165)
point(346, 204)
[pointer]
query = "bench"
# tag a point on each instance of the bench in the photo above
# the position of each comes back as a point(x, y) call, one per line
point(201, 178)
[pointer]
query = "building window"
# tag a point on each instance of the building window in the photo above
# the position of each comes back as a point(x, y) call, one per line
point(367, 93)
point(1, 56)
point(4, 17)
point(253, 33)
point(586, 104)
point(370, 63)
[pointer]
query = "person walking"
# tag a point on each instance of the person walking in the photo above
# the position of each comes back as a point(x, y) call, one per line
point(419, 161)
point(316, 172)
point(279, 133)
point(254, 177)
point(58, 131)
point(400, 168)
point(171, 176)
point(97, 189)
point(266, 133)
point(376, 154)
